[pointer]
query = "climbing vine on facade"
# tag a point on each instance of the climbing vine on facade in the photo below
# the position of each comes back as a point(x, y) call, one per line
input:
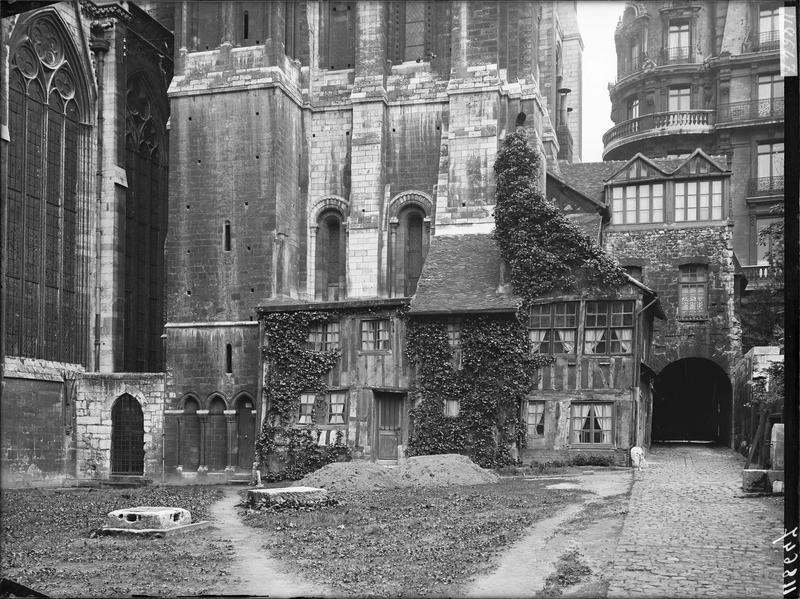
point(497, 371)
point(544, 250)
point(294, 368)
point(546, 254)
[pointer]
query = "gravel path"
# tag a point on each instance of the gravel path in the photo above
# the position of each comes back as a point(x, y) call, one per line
point(523, 568)
point(253, 572)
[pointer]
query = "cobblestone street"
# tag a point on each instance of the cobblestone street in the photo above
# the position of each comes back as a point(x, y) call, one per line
point(689, 533)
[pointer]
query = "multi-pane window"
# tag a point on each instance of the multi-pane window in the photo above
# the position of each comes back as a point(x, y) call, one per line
point(698, 200)
point(609, 327)
point(552, 328)
point(535, 419)
point(591, 423)
point(770, 160)
point(678, 41)
point(769, 28)
point(452, 408)
point(336, 404)
point(638, 204)
point(306, 415)
point(770, 87)
point(454, 340)
point(635, 55)
point(692, 282)
point(46, 157)
point(679, 98)
point(375, 334)
point(323, 336)
point(633, 108)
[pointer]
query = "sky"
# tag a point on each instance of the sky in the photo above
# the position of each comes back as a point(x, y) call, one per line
point(597, 22)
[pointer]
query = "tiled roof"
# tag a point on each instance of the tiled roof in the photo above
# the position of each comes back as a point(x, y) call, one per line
point(589, 177)
point(589, 224)
point(462, 273)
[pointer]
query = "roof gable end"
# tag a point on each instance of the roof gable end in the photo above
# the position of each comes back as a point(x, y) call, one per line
point(638, 167)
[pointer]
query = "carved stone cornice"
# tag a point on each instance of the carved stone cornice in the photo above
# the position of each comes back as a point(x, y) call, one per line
point(107, 11)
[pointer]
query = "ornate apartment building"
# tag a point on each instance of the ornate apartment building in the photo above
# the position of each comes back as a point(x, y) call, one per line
point(706, 75)
point(693, 172)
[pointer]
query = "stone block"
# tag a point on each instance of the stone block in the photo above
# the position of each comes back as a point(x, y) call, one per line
point(286, 497)
point(755, 481)
point(148, 517)
point(776, 447)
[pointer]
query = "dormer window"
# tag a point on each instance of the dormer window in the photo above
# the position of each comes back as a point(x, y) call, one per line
point(698, 200)
point(631, 204)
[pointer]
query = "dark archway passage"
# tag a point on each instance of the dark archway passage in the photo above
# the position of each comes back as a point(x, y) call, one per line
point(127, 436)
point(692, 402)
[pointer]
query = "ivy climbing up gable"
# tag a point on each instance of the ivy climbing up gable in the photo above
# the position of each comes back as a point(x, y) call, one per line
point(544, 250)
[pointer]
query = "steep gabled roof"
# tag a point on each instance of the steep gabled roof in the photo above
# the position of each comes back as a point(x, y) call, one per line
point(590, 177)
point(463, 273)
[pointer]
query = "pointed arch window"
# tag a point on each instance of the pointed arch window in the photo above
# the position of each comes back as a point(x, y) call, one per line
point(46, 163)
point(330, 256)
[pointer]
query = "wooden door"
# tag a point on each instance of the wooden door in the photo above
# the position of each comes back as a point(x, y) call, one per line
point(246, 434)
point(389, 416)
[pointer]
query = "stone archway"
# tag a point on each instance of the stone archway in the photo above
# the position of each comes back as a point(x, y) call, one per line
point(127, 437)
point(692, 402)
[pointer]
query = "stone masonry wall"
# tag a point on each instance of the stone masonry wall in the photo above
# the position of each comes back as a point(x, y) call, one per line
point(96, 394)
point(660, 251)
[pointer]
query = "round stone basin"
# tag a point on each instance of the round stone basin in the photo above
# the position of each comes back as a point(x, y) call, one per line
point(148, 517)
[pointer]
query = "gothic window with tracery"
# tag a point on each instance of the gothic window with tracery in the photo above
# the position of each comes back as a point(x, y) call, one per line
point(46, 158)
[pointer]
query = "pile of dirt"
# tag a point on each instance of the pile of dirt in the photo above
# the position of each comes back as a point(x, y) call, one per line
point(425, 471)
point(350, 476)
point(442, 470)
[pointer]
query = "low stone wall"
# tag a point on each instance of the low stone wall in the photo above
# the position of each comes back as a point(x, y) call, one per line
point(36, 422)
point(95, 400)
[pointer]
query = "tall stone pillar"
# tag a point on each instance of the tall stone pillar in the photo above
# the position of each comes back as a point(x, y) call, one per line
point(202, 469)
point(365, 245)
point(232, 426)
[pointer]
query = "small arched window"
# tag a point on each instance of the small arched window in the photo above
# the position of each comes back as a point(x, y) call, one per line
point(410, 247)
point(330, 257)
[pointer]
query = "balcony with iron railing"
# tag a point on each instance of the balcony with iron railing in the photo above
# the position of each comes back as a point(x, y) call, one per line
point(767, 40)
point(659, 123)
point(676, 55)
point(765, 186)
point(771, 108)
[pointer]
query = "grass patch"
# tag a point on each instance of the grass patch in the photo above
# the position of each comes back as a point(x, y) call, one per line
point(46, 544)
point(407, 542)
point(570, 570)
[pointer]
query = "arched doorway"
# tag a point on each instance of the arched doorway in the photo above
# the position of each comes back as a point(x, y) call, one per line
point(246, 431)
point(216, 436)
point(127, 436)
point(692, 402)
